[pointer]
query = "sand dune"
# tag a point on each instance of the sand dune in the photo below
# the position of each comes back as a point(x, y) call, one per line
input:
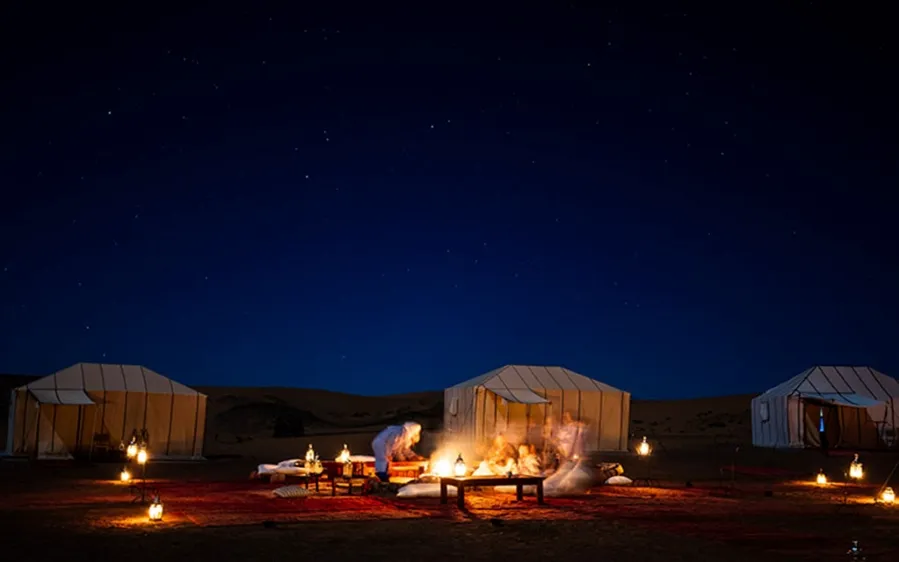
point(274, 423)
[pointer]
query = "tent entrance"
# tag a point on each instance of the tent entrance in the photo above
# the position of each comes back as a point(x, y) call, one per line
point(59, 420)
point(839, 426)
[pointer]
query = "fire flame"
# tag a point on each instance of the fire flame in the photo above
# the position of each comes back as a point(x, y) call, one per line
point(888, 496)
point(344, 455)
point(821, 478)
point(442, 467)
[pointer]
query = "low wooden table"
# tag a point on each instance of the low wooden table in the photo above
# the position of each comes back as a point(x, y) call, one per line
point(474, 481)
point(350, 482)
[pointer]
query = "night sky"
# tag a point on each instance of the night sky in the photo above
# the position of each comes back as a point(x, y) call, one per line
point(680, 201)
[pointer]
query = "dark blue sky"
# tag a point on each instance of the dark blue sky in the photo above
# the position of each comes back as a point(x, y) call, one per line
point(686, 200)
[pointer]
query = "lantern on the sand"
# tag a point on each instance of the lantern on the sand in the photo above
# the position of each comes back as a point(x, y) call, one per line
point(155, 511)
point(887, 496)
point(821, 479)
point(856, 472)
point(643, 449)
point(459, 469)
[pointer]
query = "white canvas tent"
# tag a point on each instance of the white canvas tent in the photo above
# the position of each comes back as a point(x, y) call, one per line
point(87, 405)
point(526, 398)
point(846, 406)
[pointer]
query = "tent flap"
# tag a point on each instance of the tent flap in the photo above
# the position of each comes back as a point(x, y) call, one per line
point(67, 397)
point(520, 396)
point(850, 399)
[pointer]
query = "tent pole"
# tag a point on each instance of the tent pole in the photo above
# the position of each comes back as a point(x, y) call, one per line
point(37, 432)
point(25, 423)
point(78, 429)
point(193, 450)
point(90, 453)
point(168, 439)
point(53, 425)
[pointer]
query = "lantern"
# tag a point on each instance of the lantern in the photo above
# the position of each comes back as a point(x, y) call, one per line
point(125, 476)
point(643, 449)
point(310, 454)
point(821, 478)
point(155, 511)
point(856, 471)
point(317, 467)
point(887, 496)
point(131, 451)
point(142, 456)
point(459, 469)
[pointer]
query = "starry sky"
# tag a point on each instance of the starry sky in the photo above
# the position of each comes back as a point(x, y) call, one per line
point(681, 199)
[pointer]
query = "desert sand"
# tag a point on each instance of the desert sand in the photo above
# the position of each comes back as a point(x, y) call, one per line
point(712, 495)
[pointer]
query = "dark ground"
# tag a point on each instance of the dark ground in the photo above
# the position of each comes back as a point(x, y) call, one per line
point(213, 513)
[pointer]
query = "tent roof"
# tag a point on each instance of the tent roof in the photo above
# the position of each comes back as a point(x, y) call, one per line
point(68, 397)
point(845, 381)
point(530, 377)
point(102, 377)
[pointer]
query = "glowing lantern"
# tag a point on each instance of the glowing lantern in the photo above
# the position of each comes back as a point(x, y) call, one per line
point(155, 511)
point(821, 478)
point(125, 476)
point(459, 469)
point(888, 496)
point(344, 455)
point(643, 449)
point(310, 454)
point(131, 451)
point(317, 467)
point(142, 456)
point(856, 471)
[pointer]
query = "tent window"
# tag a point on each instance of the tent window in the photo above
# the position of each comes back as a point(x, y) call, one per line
point(454, 406)
point(763, 411)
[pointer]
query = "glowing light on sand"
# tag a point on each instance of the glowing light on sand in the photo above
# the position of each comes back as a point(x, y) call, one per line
point(888, 496)
point(821, 479)
point(125, 476)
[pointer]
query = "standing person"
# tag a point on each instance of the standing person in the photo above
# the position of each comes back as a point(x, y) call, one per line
point(822, 433)
point(395, 444)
